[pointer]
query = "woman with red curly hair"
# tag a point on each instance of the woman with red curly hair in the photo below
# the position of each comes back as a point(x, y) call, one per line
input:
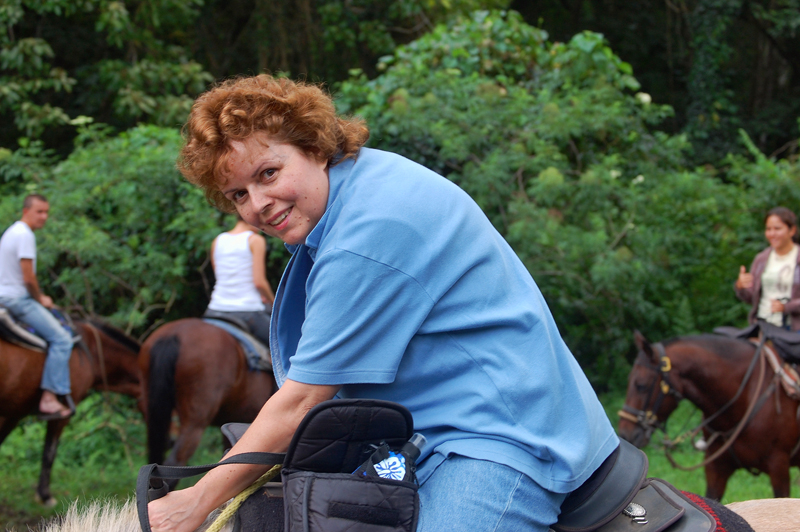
point(398, 288)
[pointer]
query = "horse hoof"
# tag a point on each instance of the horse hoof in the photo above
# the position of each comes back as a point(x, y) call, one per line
point(50, 502)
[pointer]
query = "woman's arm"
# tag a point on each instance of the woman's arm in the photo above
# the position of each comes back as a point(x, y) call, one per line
point(258, 246)
point(213, 246)
point(793, 305)
point(272, 430)
point(744, 283)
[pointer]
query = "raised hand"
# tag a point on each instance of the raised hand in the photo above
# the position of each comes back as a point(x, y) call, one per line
point(745, 279)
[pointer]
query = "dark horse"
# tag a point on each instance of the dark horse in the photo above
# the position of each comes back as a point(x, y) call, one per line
point(743, 409)
point(201, 371)
point(110, 364)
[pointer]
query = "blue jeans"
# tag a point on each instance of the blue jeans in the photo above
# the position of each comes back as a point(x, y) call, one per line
point(464, 494)
point(59, 342)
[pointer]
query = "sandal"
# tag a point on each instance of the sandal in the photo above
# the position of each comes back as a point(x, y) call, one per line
point(64, 413)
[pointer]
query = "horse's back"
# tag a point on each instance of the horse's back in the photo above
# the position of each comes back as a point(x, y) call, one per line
point(770, 515)
point(763, 515)
point(194, 348)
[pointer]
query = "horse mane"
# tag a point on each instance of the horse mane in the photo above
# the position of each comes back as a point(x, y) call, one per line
point(105, 515)
point(718, 344)
point(115, 333)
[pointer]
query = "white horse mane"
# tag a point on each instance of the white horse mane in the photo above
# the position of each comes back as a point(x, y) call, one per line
point(109, 515)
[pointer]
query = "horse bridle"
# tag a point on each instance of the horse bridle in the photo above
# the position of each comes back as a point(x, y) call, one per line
point(647, 418)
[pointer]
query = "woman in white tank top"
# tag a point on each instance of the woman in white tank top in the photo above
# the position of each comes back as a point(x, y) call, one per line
point(241, 289)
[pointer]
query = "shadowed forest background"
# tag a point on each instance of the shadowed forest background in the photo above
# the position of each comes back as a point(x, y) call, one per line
point(626, 150)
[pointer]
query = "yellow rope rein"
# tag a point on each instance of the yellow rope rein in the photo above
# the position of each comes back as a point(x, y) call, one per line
point(237, 501)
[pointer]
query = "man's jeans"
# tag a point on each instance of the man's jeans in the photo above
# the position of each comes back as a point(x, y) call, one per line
point(59, 341)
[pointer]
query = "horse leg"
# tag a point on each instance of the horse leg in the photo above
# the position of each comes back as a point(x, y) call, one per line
point(7, 424)
point(54, 430)
point(718, 473)
point(778, 470)
point(185, 446)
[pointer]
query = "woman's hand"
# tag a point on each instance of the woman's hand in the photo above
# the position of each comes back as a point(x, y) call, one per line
point(745, 280)
point(176, 512)
point(777, 306)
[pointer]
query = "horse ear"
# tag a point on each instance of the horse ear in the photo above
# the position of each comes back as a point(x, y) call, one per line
point(641, 342)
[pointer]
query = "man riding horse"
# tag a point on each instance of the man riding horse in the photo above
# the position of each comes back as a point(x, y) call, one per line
point(20, 294)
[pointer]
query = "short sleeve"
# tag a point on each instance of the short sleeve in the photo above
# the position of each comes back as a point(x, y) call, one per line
point(360, 317)
point(26, 248)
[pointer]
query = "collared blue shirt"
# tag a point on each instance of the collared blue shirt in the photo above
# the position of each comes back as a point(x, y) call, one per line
point(404, 291)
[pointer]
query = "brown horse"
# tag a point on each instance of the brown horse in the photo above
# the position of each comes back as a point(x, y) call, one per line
point(109, 364)
point(201, 371)
point(748, 421)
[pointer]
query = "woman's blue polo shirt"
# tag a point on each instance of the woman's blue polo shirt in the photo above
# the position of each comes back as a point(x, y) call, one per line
point(404, 291)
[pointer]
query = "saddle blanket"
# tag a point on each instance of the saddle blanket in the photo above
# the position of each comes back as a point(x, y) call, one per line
point(22, 335)
point(257, 354)
point(784, 372)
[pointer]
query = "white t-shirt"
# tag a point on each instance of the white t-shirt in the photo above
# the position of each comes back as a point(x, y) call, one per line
point(18, 242)
point(776, 283)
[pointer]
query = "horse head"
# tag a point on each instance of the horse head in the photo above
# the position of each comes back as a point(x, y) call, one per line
point(651, 396)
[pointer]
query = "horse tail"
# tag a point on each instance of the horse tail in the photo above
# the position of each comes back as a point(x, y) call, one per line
point(161, 395)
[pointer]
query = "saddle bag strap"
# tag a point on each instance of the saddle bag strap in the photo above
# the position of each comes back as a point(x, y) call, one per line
point(150, 483)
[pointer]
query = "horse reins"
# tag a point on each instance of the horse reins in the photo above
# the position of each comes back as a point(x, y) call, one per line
point(751, 408)
point(100, 358)
point(646, 418)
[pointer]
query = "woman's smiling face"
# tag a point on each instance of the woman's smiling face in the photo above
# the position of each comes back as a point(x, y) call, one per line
point(778, 234)
point(276, 187)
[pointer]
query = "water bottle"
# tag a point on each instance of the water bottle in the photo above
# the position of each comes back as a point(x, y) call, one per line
point(395, 465)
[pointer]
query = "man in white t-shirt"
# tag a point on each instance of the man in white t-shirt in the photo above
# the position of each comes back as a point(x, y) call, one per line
point(20, 294)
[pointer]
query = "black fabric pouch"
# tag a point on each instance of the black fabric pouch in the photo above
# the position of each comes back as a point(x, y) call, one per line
point(320, 491)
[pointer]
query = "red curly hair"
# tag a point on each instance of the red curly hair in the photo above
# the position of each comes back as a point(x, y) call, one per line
point(292, 112)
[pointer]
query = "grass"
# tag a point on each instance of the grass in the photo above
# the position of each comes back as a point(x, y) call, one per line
point(99, 456)
point(103, 447)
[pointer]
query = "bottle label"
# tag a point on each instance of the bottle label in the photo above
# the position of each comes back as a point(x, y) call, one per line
point(393, 467)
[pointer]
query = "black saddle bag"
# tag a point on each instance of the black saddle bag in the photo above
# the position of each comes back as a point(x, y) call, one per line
point(618, 498)
point(319, 491)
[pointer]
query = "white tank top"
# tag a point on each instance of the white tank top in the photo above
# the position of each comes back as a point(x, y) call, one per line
point(234, 290)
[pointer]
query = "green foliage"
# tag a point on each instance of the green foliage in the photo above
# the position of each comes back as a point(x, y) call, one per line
point(712, 115)
point(554, 144)
point(128, 236)
point(99, 455)
point(116, 61)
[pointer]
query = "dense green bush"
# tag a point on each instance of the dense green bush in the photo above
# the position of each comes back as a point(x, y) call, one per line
point(554, 143)
point(126, 233)
point(551, 139)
